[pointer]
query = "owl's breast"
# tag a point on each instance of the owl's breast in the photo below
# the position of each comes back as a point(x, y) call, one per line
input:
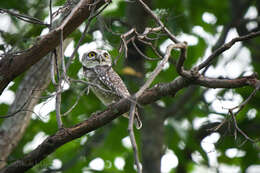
point(97, 79)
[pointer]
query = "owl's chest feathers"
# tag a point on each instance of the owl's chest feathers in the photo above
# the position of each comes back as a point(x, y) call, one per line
point(101, 84)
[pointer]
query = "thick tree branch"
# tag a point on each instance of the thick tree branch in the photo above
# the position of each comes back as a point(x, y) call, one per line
point(12, 66)
point(34, 83)
point(100, 119)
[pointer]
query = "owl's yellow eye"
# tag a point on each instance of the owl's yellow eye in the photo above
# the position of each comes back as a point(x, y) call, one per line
point(106, 55)
point(92, 54)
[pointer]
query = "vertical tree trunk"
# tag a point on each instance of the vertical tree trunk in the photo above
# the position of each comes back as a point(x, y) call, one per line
point(34, 83)
point(13, 128)
point(152, 131)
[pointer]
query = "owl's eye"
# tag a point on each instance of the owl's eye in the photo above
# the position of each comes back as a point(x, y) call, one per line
point(92, 54)
point(106, 55)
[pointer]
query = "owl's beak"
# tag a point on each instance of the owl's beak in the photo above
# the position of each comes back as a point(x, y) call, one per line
point(102, 59)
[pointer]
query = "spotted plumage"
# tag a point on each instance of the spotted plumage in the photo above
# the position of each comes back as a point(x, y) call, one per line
point(105, 83)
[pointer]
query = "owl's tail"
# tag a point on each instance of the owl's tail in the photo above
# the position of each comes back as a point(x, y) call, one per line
point(137, 120)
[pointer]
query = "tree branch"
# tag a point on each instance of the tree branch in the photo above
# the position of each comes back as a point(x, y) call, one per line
point(100, 119)
point(12, 66)
point(227, 46)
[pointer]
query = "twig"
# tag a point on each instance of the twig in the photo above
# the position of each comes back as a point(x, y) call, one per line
point(91, 17)
point(233, 115)
point(132, 137)
point(51, 17)
point(156, 71)
point(92, 84)
point(21, 109)
point(124, 45)
point(238, 129)
point(58, 87)
point(143, 38)
point(64, 71)
point(152, 46)
point(77, 101)
point(241, 106)
point(180, 68)
point(141, 53)
point(79, 42)
point(25, 18)
point(17, 111)
point(66, 7)
point(107, 28)
point(159, 22)
point(159, 67)
point(57, 105)
point(54, 64)
point(227, 46)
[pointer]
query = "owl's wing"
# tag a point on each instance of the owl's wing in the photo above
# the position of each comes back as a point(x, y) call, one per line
point(113, 81)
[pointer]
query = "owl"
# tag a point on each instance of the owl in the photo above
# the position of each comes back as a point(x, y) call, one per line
point(108, 86)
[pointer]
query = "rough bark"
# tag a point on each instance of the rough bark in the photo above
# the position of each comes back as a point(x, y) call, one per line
point(12, 66)
point(34, 83)
point(13, 128)
point(29, 91)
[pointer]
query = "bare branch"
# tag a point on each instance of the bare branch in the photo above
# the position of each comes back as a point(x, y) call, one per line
point(159, 67)
point(238, 129)
point(25, 18)
point(50, 13)
point(91, 17)
point(142, 54)
point(227, 46)
point(100, 119)
point(132, 136)
point(256, 83)
point(60, 76)
point(160, 23)
point(76, 102)
point(241, 106)
point(54, 63)
point(17, 64)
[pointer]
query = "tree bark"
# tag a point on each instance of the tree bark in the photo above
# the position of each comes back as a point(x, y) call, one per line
point(98, 120)
point(13, 128)
point(14, 65)
point(30, 89)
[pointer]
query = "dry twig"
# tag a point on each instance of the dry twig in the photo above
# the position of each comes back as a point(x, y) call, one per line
point(23, 17)
point(91, 17)
point(240, 107)
point(225, 47)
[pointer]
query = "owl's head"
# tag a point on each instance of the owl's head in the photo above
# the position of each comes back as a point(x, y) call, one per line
point(96, 57)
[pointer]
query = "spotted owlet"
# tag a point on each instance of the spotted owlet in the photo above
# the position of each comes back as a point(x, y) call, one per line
point(108, 86)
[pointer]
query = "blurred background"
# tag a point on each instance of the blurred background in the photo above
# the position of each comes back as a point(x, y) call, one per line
point(177, 134)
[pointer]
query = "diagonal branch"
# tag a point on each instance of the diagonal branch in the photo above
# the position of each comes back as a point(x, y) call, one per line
point(159, 22)
point(23, 17)
point(12, 66)
point(100, 119)
point(227, 46)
